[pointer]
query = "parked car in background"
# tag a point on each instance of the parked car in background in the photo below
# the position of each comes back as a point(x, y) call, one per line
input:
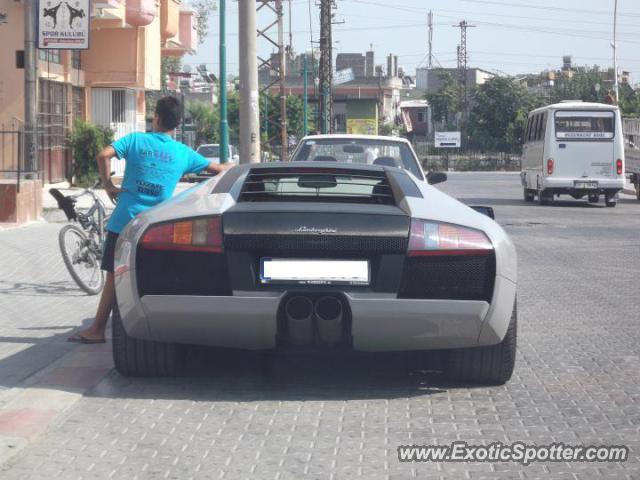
point(211, 151)
point(573, 148)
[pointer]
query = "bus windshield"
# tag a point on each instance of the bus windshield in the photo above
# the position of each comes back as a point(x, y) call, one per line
point(578, 125)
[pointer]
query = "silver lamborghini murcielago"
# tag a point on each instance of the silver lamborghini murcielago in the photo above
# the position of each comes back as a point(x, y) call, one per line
point(347, 247)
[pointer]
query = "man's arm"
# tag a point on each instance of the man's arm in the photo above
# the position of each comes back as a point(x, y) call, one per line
point(104, 167)
point(219, 168)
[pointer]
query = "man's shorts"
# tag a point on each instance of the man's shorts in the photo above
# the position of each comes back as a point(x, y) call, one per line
point(109, 251)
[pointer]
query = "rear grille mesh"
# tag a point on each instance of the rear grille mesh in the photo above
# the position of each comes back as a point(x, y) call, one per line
point(316, 243)
point(449, 278)
point(181, 273)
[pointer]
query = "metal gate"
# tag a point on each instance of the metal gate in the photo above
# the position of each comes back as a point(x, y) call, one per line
point(54, 130)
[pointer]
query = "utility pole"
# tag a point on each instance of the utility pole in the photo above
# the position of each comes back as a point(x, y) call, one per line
point(277, 68)
point(224, 121)
point(284, 135)
point(430, 24)
point(249, 96)
point(326, 65)
point(30, 87)
point(463, 59)
point(616, 87)
point(305, 108)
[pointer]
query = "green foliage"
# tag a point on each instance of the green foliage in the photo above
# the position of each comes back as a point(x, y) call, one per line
point(167, 66)
point(499, 115)
point(270, 108)
point(87, 140)
point(385, 129)
point(206, 120)
point(580, 86)
point(445, 104)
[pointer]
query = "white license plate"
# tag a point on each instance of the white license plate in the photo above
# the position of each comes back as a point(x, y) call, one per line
point(587, 185)
point(314, 272)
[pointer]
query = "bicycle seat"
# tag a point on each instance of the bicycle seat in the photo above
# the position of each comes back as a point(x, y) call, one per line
point(66, 204)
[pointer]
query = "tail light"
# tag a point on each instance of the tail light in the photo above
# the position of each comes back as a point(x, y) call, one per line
point(197, 235)
point(433, 238)
point(619, 169)
point(550, 166)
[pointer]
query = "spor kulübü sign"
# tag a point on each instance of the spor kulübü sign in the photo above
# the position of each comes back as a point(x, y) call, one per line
point(64, 24)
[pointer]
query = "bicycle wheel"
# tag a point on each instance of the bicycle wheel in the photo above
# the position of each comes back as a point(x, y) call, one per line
point(80, 259)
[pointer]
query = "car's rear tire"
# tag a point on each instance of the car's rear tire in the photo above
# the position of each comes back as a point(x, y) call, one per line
point(529, 195)
point(610, 201)
point(491, 365)
point(137, 358)
point(594, 198)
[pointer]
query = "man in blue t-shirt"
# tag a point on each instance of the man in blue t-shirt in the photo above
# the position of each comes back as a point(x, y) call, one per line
point(155, 162)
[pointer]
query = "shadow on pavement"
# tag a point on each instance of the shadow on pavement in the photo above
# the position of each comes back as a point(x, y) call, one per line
point(240, 377)
point(66, 288)
point(19, 367)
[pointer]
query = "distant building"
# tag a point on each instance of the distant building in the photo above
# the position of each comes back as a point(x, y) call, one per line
point(354, 61)
point(431, 80)
point(416, 117)
point(359, 105)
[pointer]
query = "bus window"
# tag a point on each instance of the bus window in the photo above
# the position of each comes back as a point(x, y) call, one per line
point(543, 126)
point(534, 127)
point(580, 125)
point(527, 128)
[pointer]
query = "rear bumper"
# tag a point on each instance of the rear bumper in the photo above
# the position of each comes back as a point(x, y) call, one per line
point(378, 324)
point(568, 184)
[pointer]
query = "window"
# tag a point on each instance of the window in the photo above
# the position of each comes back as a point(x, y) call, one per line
point(118, 106)
point(51, 56)
point(360, 151)
point(583, 125)
point(78, 103)
point(209, 151)
point(421, 118)
point(76, 61)
point(534, 128)
point(543, 126)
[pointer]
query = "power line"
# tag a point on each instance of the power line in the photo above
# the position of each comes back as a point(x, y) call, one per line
point(550, 7)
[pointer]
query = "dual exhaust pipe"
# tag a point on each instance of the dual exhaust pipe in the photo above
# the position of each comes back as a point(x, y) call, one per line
point(328, 313)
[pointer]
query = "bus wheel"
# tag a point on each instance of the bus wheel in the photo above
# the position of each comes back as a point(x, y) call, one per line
point(544, 198)
point(529, 195)
point(610, 201)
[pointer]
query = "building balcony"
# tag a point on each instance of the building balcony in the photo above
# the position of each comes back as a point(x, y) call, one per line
point(186, 41)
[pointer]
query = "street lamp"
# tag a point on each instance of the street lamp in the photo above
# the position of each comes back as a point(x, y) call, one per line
point(615, 53)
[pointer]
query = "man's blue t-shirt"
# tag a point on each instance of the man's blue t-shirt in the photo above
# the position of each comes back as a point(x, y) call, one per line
point(155, 164)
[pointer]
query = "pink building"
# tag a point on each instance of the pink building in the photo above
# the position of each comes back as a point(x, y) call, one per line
point(105, 84)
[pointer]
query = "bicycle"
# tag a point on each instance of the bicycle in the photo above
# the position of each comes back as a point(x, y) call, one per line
point(81, 248)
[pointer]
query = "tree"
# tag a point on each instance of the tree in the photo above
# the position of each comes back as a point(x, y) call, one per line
point(446, 102)
point(169, 65)
point(270, 108)
point(205, 120)
point(203, 9)
point(499, 114)
point(581, 85)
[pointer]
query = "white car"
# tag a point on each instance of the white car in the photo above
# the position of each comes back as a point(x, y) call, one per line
point(211, 151)
point(323, 254)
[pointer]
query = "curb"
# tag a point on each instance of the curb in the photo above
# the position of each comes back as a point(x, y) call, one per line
point(38, 404)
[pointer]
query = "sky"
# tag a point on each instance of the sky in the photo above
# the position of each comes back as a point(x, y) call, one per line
point(510, 36)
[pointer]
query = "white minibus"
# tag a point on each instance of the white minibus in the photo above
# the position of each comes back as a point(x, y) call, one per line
point(573, 148)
